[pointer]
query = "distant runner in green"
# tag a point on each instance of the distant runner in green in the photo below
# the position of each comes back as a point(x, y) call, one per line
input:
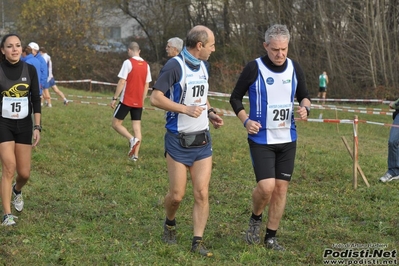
point(323, 81)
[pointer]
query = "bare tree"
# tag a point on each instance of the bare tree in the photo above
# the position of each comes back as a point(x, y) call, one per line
point(355, 41)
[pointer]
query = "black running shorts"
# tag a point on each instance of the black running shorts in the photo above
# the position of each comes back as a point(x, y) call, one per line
point(18, 130)
point(122, 110)
point(273, 160)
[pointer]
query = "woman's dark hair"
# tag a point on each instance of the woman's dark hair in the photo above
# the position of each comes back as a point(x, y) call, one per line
point(3, 40)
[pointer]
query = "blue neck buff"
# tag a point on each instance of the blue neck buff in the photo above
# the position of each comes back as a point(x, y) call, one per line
point(190, 58)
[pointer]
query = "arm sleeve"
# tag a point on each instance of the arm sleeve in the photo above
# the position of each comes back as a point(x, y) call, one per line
point(34, 89)
point(50, 69)
point(301, 91)
point(247, 77)
point(44, 72)
point(170, 74)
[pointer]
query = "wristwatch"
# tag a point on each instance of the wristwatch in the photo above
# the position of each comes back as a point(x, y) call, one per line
point(38, 127)
point(211, 110)
point(307, 110)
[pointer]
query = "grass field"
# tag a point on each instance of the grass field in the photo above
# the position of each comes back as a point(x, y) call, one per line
point(87, 204)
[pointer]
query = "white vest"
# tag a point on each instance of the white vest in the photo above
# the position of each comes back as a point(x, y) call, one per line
point(193, 89)
point(272, 104)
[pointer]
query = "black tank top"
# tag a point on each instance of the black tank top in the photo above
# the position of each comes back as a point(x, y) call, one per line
point(15, 88)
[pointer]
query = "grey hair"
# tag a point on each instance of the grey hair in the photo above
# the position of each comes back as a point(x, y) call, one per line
point(176, 42)
point(134, 46)
point(275, 31)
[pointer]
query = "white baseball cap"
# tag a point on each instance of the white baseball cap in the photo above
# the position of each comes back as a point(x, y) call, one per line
point(34, 46)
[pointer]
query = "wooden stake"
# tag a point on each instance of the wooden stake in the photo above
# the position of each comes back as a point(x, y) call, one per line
point(355, 152)
point(358, 166)
point(336, 117)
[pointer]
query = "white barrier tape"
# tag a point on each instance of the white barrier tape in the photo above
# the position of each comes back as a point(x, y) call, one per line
point(74, 81)
point(87, 80)
point(363, 110)
point(351, 110)
point(104, 83)
point(223, 112)
point(351, 107)
point(351, 100)
point(229, 113)
point(220, 94)
point(339, 121)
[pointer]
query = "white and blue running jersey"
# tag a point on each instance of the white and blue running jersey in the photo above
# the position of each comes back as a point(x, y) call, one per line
point(192, 89)
point(271, 99)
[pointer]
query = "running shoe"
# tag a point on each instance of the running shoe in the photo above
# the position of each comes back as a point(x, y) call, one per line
point(18, 200)
point(169, 234)
point(8, 220)
point(388, 177)
point(271, 243)
point(133, 145)
point(200, 248)
point(252, 236)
